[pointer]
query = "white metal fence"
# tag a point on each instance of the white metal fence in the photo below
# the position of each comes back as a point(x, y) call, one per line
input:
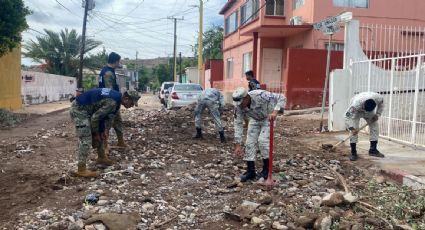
point(403, 90)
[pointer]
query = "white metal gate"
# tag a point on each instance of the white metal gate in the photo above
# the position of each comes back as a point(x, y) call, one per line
point(395, 68)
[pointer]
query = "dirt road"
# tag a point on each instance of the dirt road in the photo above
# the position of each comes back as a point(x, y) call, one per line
point(166, 178)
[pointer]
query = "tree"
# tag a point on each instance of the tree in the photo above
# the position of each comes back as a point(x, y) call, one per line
point(163, 73)
point(60, 51)
point(12, 23)
point(96, 61)
point(212, 39)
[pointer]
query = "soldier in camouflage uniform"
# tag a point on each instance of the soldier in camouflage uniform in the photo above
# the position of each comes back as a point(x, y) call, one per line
point(89, 112)
point(261, 107)
point(363, 105)
point(108, 79)
point(213, 100)
point(253, 84)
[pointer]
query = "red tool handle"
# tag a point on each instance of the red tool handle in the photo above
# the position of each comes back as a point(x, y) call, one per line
point(270, 182)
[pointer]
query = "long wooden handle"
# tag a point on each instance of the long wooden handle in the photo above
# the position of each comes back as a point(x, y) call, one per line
point(349, 136)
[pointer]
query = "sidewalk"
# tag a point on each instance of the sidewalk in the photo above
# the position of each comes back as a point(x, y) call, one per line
point(46, 108)
point(402, 164)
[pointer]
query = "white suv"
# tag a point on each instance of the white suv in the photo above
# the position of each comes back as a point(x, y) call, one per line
point(165, 86)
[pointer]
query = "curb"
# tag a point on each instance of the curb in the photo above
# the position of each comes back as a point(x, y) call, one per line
point(404, 178)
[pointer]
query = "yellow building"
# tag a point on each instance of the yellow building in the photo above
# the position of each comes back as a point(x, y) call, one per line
point(10, 80)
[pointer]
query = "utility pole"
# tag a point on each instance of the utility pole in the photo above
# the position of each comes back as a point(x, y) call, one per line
point(180, 60)
point(200, 40)
point(175, 46)
point(88, 5)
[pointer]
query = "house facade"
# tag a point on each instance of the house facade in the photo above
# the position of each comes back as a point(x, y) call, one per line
point(276, 39)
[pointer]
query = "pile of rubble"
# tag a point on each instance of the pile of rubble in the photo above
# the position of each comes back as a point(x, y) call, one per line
point(164, 179)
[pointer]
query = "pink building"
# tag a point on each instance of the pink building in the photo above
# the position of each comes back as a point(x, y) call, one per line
point(277, 41)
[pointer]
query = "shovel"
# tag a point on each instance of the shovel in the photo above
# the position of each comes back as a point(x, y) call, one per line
point(331, 147)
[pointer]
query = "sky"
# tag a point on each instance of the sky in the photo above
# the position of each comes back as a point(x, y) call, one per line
point(126, 26)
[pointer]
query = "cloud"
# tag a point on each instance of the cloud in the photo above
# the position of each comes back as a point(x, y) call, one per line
point(127, 26)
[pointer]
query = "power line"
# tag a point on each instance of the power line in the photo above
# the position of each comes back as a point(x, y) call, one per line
point(66, 8)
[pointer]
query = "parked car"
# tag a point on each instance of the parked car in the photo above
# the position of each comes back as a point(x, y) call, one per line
point(183, 95)
point(164, 86)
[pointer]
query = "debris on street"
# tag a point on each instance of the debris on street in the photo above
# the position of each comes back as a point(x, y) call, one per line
point(166, 180)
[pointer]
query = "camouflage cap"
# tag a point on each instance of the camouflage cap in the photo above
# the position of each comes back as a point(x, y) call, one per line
point(134, 95)
point(238, 95)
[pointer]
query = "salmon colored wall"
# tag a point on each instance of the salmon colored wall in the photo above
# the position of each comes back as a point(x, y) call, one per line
point(307, 71)
point(237, 55)
point(10, 80)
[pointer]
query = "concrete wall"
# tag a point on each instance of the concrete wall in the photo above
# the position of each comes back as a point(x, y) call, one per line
point(10, 81)
point(42, 87)
point(192, 75)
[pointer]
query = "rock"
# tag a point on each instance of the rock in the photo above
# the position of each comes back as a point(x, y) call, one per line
point(102, 202)
point(256, 221)
point(380, 180)
point(169, 174)
point(266, 199)
point(333, 199)
point(357, 227)
point(44, 215)
point(74, 226)
point(243, 211)
point(148, 208)
point(306, 221)
point(317, 200)
point(349, 198)
point(323, 223)
point(89, 227)
point(278, 226)
point(100, 227)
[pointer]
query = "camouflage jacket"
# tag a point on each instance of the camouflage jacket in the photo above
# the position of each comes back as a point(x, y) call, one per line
point(212, 94)
point(356, 108)
point(262, 104)
point(101, 105)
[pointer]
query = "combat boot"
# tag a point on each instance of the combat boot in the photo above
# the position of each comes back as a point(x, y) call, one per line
point(102, 158)
point(198, 135)
point(373, 152)
point(265, 172)
point(121, 142)
point(250, 172)
point(84, 172)
point(222, 139)
point(353, 156)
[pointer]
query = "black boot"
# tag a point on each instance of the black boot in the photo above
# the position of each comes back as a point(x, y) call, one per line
point(198, 134)
point(373, 152)
point(250, 172)
point(222, 139)
point(353, 152)
point(265, 172)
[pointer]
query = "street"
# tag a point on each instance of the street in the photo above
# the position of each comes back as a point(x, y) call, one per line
point(170, 181)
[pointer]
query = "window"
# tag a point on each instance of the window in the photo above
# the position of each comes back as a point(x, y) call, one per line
point(297, 4)
point(249, 11)
point(335, 46)
point(231, 23)
point(274, 7)
point(351, 3)
point(229, 65)
point(246, 63)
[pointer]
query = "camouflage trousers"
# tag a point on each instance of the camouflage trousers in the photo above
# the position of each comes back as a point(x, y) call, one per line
point(116, 123)
point(373, 127)
point(214, 110)
point(81, 119)
point(258, 133)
